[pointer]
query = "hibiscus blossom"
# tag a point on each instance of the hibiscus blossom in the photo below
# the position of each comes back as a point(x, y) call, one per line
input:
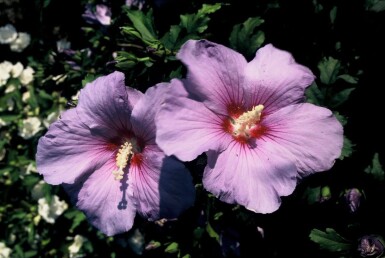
point(251, 120)
point(104, 153)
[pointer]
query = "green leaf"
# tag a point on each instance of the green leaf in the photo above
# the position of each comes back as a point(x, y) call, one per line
point(348, 78)
point(330, 240)
point(172, 248)
point(340, 98)
point(312, 194)
point(333, 14)
point(143, 24)
point(376, 169)
point(342, 119)
point(212, 232)
point(198, 23)
point(88, 78)
point(171, 39)
point(314, 95)
point(347, 149)
point(245, 38)
point(375, 5)
point(329, 70)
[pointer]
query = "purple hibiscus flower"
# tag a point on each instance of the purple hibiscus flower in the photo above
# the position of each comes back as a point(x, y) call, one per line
point(104, 153)
point(250, 120)
point(100, 14)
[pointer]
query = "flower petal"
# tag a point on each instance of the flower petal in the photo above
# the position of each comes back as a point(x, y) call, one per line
point(105, 201)
point(215, 73)
point(186, 128)
point(252, 177)
point(105, 104)
point(275, 80)
point(144, 112)
point(162, 186)
point(311, 133)
point(68, 150)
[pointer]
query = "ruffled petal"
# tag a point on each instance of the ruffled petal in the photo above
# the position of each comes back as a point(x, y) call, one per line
point(143, 115)
point(186, 128)
point(106, 104)
point(162, 186)
point(275, 80)
point(311, 133)
point(252, 177)
point(105, 201)
point(68, 150)
point(215, 73)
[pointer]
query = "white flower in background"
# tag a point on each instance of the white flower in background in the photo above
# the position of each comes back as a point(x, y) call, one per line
point(25, 97)
point(74, 248)
point(17, 69)
point(21, 42)
point(62, 44)
point(37, 191)
point(4, 250)
point(52, 117)
point(8, 34)
point(5, 69)
point(31, 168)
point(10, 88)
point(52, 210)
point(2, 123)
point(29, 127)
point(26, 75)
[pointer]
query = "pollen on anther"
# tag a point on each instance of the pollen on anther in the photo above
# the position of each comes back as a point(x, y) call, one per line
point(122, 157)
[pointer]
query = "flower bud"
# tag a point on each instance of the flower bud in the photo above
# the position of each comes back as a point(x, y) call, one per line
point(353, 198)
point(371, 246)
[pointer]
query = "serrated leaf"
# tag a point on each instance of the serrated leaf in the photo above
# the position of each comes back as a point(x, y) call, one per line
point(347, 149)
point(329, 69)
point(330, 240)
point(342, 119)
point(245, 38)
point(314, 95)
point(88, 78)
point(340, 98)
point(172, 248)
point(348, 78)
point(376, 169)
point(171, 39)
point(143, 23)
point(198, 23)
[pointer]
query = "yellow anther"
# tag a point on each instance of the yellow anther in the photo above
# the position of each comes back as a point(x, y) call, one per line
point(245, 121)
point(124, 154)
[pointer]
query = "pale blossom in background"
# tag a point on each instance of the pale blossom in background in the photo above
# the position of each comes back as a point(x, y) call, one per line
point(74, 248)
point(29, 127)
point(8, 34)
point(26, 75)
point(50, 211)
point(5, 251)
point(17, 69)
point(21, 42)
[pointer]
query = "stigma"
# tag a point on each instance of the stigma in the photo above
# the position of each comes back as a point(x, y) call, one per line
point(123, 156)
point(246, 121)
